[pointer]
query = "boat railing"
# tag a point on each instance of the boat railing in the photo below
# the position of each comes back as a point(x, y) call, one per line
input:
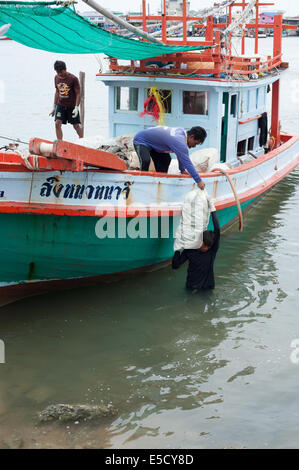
point(219, 59)
point(214, 64)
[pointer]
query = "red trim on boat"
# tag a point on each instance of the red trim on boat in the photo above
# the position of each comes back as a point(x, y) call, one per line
point(287, 139)
point(154, 211)
point(87, 211)
point(210, 79)
point(111, 211)
point(250, 120)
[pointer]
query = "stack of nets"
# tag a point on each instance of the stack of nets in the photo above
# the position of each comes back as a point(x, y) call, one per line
point(121, 146)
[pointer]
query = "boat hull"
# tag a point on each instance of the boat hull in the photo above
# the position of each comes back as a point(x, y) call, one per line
point(68, 229)
point(37, 259)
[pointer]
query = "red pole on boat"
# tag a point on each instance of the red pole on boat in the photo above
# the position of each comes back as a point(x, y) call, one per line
point(217, 54)
point(144, 15)
point(243, 32)
point(257, 20)
point(185, 21)
point(277, 37)
point(275, 123)
point(164, 23)
point(210, 28)
point(277, 47)
point(230, 34)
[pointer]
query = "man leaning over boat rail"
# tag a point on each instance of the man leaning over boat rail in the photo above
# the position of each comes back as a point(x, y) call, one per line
point(158, 142)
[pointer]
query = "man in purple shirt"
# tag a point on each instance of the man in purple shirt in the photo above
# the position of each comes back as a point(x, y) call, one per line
point(158, 142)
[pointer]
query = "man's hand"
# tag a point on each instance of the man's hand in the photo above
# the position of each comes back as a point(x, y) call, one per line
point(52, 113)
point(201, 185)
point(75, 112)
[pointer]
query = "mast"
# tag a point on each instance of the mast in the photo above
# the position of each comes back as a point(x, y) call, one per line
point(93, 4)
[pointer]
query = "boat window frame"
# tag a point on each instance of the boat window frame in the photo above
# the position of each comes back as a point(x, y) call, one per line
point(207, 102)
point(234, 101)
point(244, 142)
point(258, 94)
point(170, 92)
point(251, 143)
point(116, 110)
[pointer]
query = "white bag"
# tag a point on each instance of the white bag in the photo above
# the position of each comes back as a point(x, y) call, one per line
point(204, 159)
point(194, 221)
point(221, 166)
point(173, 168)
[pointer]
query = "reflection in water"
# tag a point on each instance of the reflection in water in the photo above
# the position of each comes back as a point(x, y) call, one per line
point(168, 360)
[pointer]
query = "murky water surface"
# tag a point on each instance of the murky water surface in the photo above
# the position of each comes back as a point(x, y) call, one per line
point(184, 371)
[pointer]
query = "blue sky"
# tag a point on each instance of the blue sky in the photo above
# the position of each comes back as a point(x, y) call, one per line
point(291, 6)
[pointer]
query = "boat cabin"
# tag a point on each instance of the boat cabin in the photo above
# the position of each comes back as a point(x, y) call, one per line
point(229, 113)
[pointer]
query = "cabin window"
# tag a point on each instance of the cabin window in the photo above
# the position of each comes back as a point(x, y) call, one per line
point(166, 99)
point(251, 144)
point(257, 97)
point(195, 102)
point(233, 106)
point(252, 96)
point(241, 148)
point(126, 99)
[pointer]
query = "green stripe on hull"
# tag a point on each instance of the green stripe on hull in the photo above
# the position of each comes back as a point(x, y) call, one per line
point(38, 247)
point(42, 247)
point(227, 215)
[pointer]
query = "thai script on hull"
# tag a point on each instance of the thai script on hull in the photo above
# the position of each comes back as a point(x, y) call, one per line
point(52, 187)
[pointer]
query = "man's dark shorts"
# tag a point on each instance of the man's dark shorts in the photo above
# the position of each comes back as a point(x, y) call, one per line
point(161, 160)
point(65, 115)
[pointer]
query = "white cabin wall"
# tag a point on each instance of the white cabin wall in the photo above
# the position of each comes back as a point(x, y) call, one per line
point(130, 122)
point(252, 104)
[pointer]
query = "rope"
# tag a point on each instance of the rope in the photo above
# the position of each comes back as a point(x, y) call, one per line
point(13, 140)
point(34, 166)
point(211, 11)
point(236, 197)
point(242, 20)
point(273, 143)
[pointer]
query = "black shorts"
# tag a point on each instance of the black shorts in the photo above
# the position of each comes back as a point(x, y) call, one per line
point(65, 115)
point(161, 160)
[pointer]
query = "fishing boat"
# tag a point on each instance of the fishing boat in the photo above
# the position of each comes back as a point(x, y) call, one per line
point(72, 215)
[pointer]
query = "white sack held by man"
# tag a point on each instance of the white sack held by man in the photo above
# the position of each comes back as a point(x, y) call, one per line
point(194, 221)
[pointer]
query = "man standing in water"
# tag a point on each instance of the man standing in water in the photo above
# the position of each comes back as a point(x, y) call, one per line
point(66, 100)
point(201, 261)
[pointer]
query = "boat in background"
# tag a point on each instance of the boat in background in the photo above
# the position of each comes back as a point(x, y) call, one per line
point(72, 215)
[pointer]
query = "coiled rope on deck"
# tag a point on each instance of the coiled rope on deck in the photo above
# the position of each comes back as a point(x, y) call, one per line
point(35, 162)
